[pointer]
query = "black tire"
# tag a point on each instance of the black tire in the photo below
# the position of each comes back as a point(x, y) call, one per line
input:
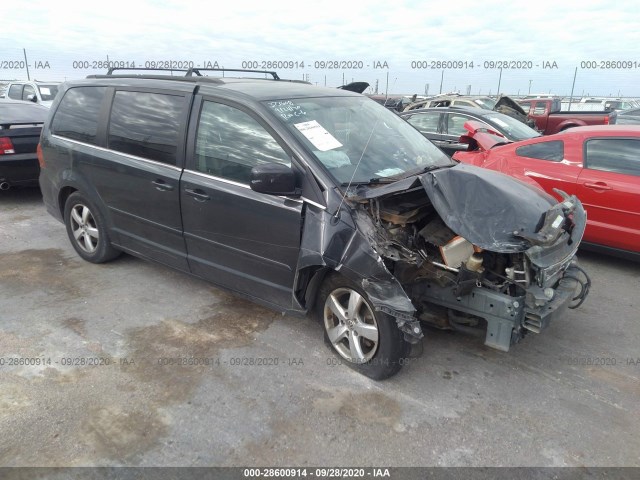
point(87, 230)
point(380, 359)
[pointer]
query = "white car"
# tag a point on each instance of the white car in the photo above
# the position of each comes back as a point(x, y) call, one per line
point(37, 92)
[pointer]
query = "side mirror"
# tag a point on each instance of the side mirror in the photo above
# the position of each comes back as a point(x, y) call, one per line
point(274, 179)
point(32, 98)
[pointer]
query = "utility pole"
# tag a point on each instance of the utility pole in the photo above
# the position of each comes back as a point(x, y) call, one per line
point(572, 87)
point(441, 80)
point(530, 87)
point(499, 81)
point(26, 63)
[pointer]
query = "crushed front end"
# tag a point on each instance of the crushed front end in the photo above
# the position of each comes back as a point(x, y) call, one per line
point(479, 249)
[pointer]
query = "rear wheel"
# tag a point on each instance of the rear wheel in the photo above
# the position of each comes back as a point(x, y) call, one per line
point(87, 230)
point(366, 340)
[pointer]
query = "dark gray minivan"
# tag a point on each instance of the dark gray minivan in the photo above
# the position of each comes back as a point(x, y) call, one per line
point(306, 198)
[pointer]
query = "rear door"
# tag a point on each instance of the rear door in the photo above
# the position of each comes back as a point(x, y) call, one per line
point(139, 173)
point(244, 240)
point(609, 188)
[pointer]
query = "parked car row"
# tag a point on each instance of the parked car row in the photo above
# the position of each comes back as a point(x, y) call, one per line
point(445, 125)
point(308, 199)
point(42, 93)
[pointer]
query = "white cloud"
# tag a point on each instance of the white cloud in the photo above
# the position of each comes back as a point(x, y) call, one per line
point(231, 32)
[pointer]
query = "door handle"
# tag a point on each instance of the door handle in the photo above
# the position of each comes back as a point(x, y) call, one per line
point(597, 186)
point(162, 185)
point(198, 194)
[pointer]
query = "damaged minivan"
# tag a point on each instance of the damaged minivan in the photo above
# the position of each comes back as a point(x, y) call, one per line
point(308, 199)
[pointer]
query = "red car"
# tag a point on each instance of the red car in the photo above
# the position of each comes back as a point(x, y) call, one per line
point(599, 164)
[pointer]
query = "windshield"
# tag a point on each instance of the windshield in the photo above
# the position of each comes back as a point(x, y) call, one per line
point(513, 129)
point(48, 91)
point(486, 103)
point(357, 139)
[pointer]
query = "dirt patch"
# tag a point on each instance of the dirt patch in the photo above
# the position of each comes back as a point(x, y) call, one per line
point(122, 433)
point(175, 354)
point(366, 407)
point(46, 270)
point(620, 381)
point(106, 414)
point(311, 435)
point(76, 325)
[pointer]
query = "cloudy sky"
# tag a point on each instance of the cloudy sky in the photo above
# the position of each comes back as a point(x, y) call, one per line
point(408, 36)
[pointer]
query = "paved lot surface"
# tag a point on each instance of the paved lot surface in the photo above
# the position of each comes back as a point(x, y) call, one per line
point(567, 397)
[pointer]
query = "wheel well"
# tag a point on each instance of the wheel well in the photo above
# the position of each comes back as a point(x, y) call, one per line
point(309, 283)
point(62, 198)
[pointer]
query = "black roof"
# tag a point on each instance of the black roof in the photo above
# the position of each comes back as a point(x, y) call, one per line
point(257, 88)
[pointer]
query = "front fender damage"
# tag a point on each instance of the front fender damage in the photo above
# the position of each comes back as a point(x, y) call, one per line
point(335, 242)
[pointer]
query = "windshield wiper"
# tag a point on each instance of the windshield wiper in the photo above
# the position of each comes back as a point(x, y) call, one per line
point(373, 180)
point(428, 168)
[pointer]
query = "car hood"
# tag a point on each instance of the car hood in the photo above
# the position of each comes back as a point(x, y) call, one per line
point(489, 209)
point(357, 87)
point(505, 101)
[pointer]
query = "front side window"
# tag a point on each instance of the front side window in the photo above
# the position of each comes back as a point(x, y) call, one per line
point(553, 151)
point(618, 155)
point(455, 124)
point(146, 125)
point(28, 90)
point(77, 115)
point(230, 142)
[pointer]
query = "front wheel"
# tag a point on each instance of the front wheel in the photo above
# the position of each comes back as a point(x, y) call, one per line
point(87, 230)
point(368, 341)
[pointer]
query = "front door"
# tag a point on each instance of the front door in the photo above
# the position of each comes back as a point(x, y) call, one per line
point(241, 239)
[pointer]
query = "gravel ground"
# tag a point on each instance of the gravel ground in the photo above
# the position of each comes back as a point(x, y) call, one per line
point(101, 397)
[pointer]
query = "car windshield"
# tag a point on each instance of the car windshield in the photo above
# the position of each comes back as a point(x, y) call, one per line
point(357, 139)
point(48, 91)
point(485, 103)
point(513, 129)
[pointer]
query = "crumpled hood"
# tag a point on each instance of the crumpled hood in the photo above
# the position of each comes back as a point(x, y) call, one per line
point(486, 207)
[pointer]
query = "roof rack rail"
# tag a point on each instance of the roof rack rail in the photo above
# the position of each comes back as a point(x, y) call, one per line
point(196, 71)
point(112, 69)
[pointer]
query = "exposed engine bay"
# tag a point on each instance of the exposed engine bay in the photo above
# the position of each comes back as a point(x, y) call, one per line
point(456, 284)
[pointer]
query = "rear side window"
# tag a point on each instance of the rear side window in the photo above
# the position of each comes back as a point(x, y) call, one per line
point(146, 125)
point(553, 151)
point(618, 155)
point(540, 109)
point(426, 122)
point(77, 115)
